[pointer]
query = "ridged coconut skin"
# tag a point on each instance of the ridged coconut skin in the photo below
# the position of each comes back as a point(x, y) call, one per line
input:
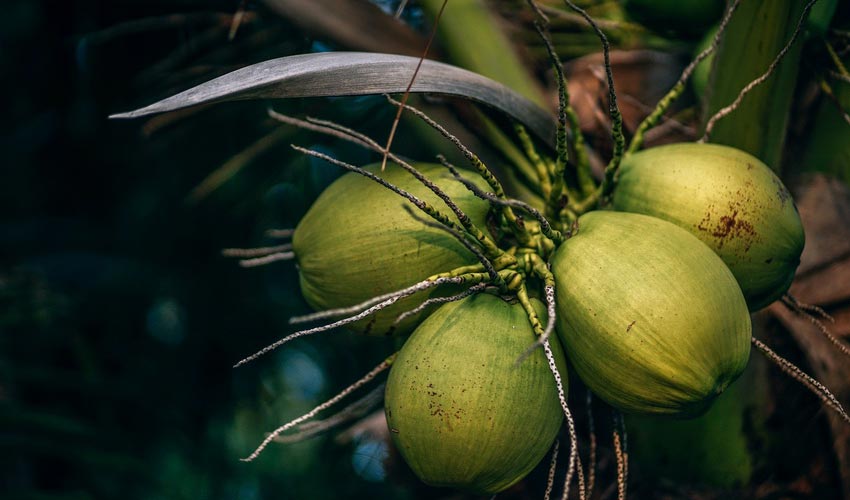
point(358, 241)
point(459, 410)
point(651, 319)
point(728, 199)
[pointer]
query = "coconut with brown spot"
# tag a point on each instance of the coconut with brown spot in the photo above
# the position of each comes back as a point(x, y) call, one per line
point(728, 199)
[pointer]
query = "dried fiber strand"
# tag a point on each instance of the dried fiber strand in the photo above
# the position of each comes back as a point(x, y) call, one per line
point(553, 463)
point(545, 226)
point(344, 311)
point(591, 430)
point(336, 130)
point(621, 457)
point(808, 311)
point(267, 259)
point(309, 124)
point(327, 404)
point(440, 300)
point(813, 385)
point(467, 153)
point(255, 252)
point(355, 410)
point(280, 233)
point(574, 459)
point(657, 114)
point(795, 304)
point(422, 205)
point(392, 299)
point(722, 112)
point(462, 238)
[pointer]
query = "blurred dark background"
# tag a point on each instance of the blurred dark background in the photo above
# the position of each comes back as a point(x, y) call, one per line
point(119, 319)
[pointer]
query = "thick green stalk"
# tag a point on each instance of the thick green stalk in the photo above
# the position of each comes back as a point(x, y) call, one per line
point(472, 37)
point(756, 34)
point(826, 147)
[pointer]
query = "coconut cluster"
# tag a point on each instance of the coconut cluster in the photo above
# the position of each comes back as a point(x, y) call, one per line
point(648, 299)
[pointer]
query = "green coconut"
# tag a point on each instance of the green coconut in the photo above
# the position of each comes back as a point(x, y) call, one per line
point(358, 241)
point(460, 411)
point(651, 319)
point(728, 199)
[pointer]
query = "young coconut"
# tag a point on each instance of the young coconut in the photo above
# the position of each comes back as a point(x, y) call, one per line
point(462, 413)
point(358, 241)
point(651, 319)
point(728, 199)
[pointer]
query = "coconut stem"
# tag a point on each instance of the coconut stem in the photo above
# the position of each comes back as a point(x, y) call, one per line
point(797, 374)
point(336, 130)
point(327, 404)
point(545, 227)
point(460, 237)
point(464, 219)
point(488, 244)
point(543, 174)
point(655, 117)
point(613, 108)
point(476, 162)
point(709, 127)
point(525, 301)
point(544, 334)
point(566, 116)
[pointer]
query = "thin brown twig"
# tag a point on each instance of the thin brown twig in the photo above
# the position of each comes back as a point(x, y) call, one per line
point(410, 85)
